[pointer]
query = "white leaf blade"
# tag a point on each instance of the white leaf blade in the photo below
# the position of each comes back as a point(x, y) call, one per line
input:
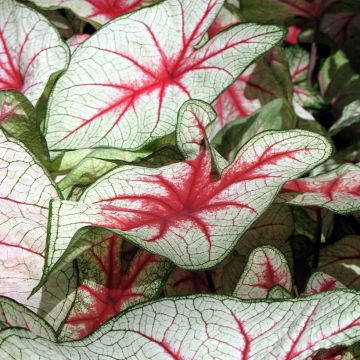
point(24, 195)
point(147, 73)
point(211, 327)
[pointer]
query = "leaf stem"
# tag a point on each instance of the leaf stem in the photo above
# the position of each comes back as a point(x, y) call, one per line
point(316, 256)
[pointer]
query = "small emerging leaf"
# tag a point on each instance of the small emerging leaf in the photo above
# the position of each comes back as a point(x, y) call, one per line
point(266, 267)
point(320, 282)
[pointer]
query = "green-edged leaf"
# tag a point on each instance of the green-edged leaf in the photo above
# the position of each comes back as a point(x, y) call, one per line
point(299, 65)
point(266, 267)
point(25, 192)
point(349, 117)
point(320, 282)
point(179, 211)
point(18, 119)
point(125, 91)
point(278, 292)
point(276, 115)
point(13, 314)
point(273, 228)
point(195, 121)
point(31, 50)
point(338, 190)
point(106, 288)
point(207, 327)
point(342, 261)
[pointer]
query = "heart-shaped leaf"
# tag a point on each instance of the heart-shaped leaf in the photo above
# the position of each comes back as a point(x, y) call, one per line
point(211, 327)
point(31, 50)
point(95, 11)
point(179, 211)
point(337, 190)
point(125, 90)
point(25, 193)
point(266, 267)
point(105, 288)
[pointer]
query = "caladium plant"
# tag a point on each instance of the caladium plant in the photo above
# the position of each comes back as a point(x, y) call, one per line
point(177, 182)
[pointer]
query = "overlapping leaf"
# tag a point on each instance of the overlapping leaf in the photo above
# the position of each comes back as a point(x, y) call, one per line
point(320, 282)
point(337, 190)
point(13, 314)
point(31, 50)
point(266, 267)
point(267, 80)
point(342, 261)
point(125, 84)
point(179, 211)
point(106, 288)
point(200, 327)
point(25, 193)
point(96, 11)
point(18, 119)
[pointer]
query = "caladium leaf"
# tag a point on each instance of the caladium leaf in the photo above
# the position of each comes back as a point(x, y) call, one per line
point(278, 292)
point(276, 115)
point(95, 11)
point(225, 18)
point(266, 80)
point(266, 267)
point(282, 10)
point(31, 50)
point(213, 327)
point(339, 83)
point(337, 190)
point(179, 211)
point(273, 228)
point(340, 26)
point(105, 288)
point(320, 282)
point(13, 314)
point(18, 119)
point(299, 65)
point(349, 117)
point(25, 193)
point(139, 79)
point(76, 40)
point(342, 261)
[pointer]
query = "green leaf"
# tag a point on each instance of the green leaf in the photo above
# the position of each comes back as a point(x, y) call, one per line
point(18, 119)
